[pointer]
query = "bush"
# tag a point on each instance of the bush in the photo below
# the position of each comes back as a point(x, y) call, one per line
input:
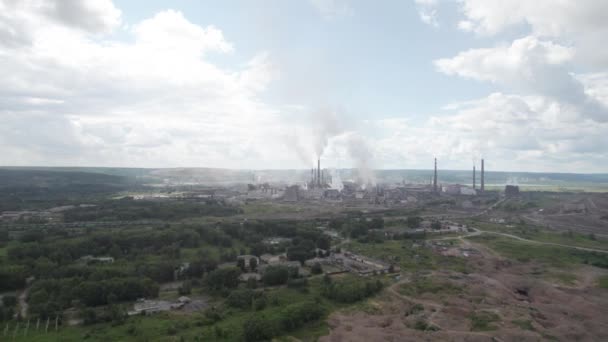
point(351, 290)
point(297, 283)
point(259, 328)
point(223, 278)
point(316, 268)
point(275, 275)
point(9, 301)
point(295, 315)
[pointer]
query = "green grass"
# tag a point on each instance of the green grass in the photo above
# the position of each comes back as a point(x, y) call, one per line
point(553, 255)
point(603, 282)
point(524, 324)
point(483, 321)
point(540, 234)
point(3, 251)
point(409, 255)
point(563, 278)
point(420, 286)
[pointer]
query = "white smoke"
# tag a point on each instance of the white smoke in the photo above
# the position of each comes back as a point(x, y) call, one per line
point(331, 126)
point(336, 180)
point(326, 124)
point(363, 157)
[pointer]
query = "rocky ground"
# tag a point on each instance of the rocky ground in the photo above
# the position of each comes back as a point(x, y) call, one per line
point(498, 300)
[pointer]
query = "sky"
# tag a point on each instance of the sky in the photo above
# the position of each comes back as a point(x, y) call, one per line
point(276, 84)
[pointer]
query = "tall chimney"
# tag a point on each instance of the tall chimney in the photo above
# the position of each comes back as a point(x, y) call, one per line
point(319, 172)
point(435, 177)
point(482, 177)
point(473, 176)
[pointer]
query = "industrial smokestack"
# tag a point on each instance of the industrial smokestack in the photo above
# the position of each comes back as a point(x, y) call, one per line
point(482, 177)
point(473, 176)
point(435, 177)
point(319, 172)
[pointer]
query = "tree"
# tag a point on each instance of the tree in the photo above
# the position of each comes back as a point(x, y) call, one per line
point(316, 268)
point(275, 275)
point(253, 264)
point(9, 301)
point(240, 263)
point(377, 223)
point(223, 278)
point(413, 221)
point(186, 288)
point(324, 242)
point(259, 328)
point(436, 225)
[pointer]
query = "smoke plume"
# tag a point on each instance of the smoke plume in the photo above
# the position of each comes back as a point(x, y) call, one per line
point(362, 156)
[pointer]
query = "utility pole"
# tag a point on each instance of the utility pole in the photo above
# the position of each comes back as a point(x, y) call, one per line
point(482, 177)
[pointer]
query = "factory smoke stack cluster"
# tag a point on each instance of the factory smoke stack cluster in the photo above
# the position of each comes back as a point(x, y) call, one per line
point(319, 172)
point(482, 177)
point(473, 176)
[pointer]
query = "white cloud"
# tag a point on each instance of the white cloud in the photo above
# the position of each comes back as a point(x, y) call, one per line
point(330, 9)
point(513, 132)
point(21, 21)
point(582, 22)
point(529, 66)
point(170, 32)
point(69, 96)
point(427, 11)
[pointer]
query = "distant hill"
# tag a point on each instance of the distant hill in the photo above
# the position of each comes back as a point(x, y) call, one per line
point(56, 176)
point(14, 177)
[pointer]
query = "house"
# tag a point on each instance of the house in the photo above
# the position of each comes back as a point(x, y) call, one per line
point(145, 306)
point(91, 259)
point(272, 259)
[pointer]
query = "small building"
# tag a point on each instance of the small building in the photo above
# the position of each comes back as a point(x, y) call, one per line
point(272, 259)
point(91, 259)
point(452, 189)
point(249, 275)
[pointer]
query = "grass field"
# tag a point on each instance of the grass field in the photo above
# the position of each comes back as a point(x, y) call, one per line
point(554, 255)
point(543, 235)
point(409, 255)
point(420, 286)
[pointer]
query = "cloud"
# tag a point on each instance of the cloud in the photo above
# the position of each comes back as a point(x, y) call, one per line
point(584, 23)
point(331, 9)
point(21, 21)
point(169, 31)
point(427, 11)
point(513, 132)
point(530, 66)
point(70, 96)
